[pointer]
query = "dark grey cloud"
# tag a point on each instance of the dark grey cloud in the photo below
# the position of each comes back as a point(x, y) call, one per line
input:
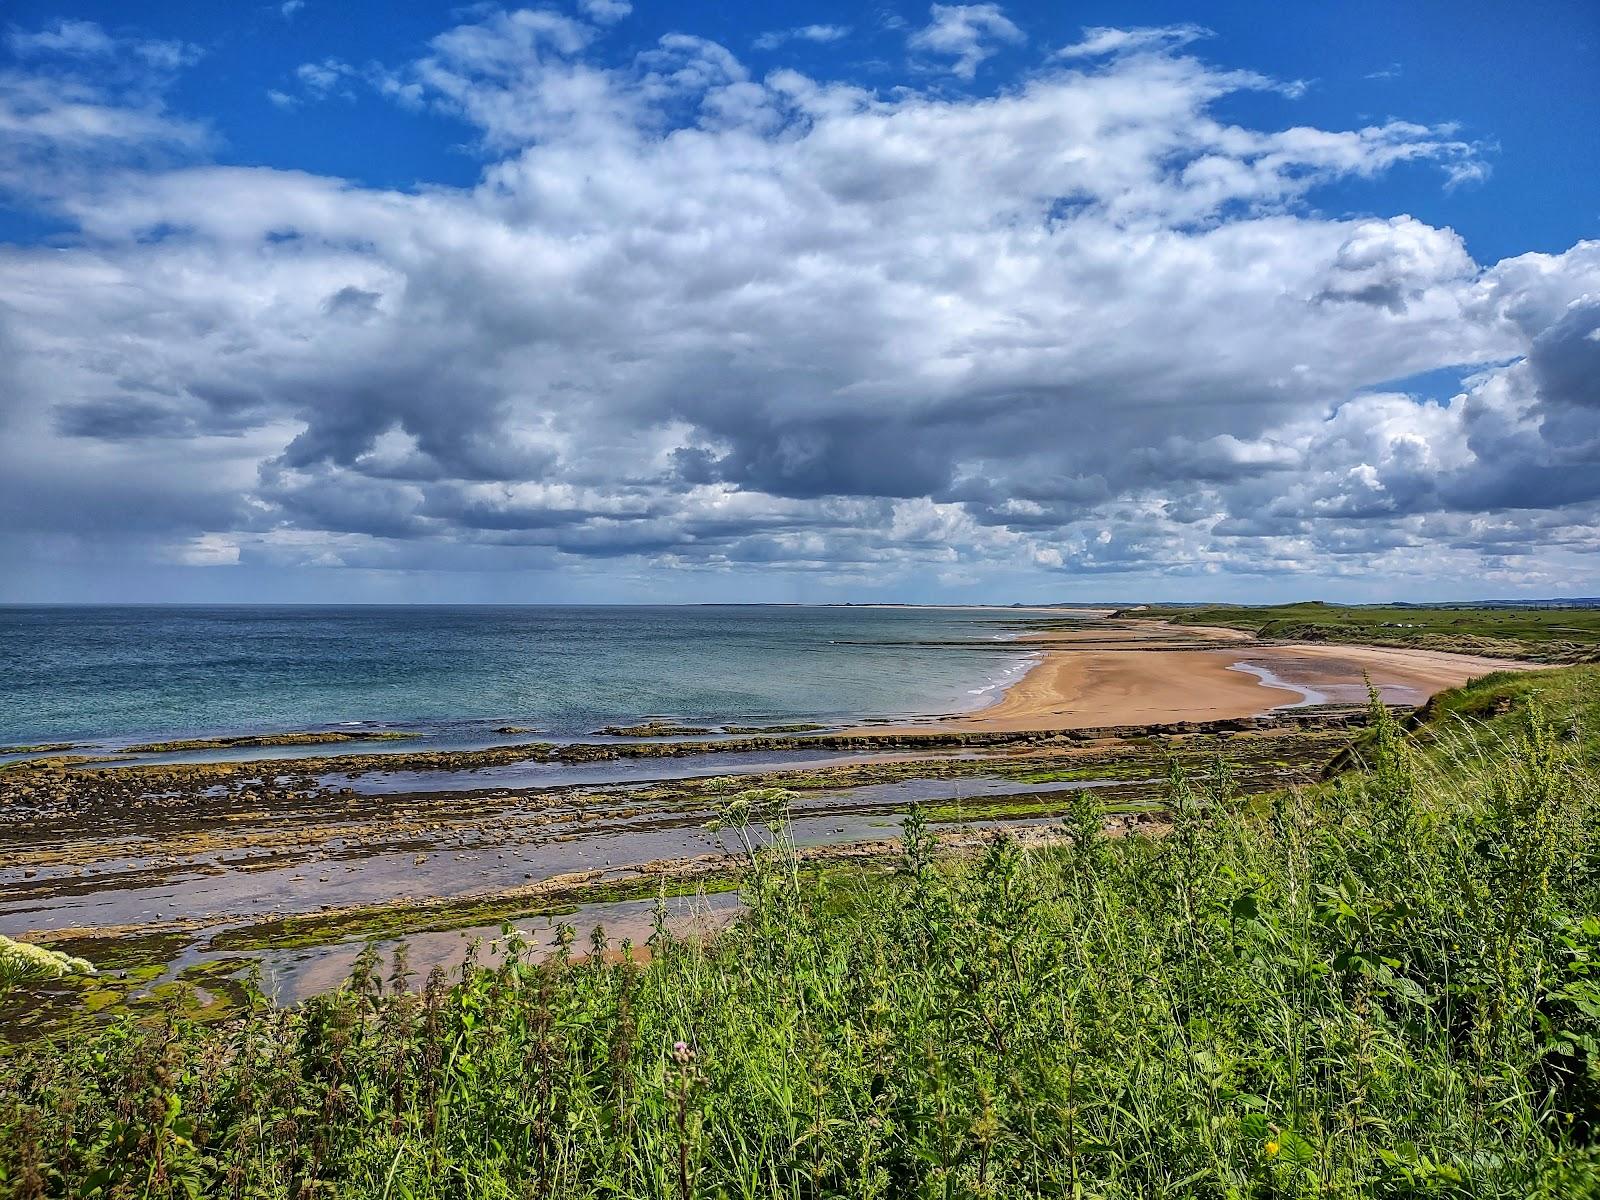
point(122, 418)
point(352, 302)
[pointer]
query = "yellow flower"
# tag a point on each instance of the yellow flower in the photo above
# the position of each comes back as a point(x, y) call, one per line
point(1272, 1149)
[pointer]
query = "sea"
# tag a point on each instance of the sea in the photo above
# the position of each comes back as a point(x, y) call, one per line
point(114, 676)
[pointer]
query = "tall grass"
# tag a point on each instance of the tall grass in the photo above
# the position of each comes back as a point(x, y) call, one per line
point(1386, 986)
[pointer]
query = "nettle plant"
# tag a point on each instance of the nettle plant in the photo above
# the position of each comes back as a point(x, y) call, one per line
point(1386, 985)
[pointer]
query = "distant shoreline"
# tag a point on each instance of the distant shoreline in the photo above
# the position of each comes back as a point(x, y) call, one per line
point(1079, 668)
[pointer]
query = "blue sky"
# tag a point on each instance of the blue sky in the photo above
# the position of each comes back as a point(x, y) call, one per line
point(1523, 78)
point(609, 302)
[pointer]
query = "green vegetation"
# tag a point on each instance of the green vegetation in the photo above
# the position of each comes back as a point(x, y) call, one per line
point(997, 808)
point(22, 963)
point(796, 727)
point(1138, 768)
point(1560, 635)
point(1570, 693)
point(396, 920)
point(1386, 985)
point(55, 762)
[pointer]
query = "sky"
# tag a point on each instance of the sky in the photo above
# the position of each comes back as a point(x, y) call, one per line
point(607, 302)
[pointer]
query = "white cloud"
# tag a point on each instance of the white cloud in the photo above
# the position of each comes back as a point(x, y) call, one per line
point(80, 101)
point(966, 33)
point(76, 39)
point(65, 112)
point(320, 79)
point(87, 40)
point(820, 34)
point(1100, 40)
point(605, 12)
point(701, 320)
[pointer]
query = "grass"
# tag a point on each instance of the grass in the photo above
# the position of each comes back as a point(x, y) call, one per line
point(1546, 634)
point(995, 808)
point(1137, 769)
point(1386, 985)
point(394, 920)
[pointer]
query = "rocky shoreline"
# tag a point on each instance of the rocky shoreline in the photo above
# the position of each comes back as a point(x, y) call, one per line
point(209, 862)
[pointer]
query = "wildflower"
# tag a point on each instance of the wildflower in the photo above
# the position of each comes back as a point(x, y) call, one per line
point(681, 1054)
point(27, 961)
point(1272, 1149)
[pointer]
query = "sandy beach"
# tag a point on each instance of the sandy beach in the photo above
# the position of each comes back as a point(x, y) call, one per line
point(1148, 672)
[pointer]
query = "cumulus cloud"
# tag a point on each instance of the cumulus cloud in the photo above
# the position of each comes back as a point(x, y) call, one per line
point(1392, 263)
point(328, 77)
point(695, 318)
point(605, 12)
point(966, 34)
point(821, 34)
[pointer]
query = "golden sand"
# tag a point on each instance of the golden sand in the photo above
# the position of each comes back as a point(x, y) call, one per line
point(1147, 672)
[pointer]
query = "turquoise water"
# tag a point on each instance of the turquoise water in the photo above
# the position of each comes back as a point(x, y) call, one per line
point(129, 674)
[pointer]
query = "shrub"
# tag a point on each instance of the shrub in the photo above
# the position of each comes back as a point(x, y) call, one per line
point(1388, 986)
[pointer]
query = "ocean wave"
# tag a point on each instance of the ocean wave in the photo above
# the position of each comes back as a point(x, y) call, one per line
point(1008, 676)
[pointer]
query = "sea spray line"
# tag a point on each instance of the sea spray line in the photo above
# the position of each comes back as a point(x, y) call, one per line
point(1009, 675)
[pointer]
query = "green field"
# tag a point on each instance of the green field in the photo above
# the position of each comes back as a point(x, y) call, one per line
point(1385, 985)
point(1558, 635)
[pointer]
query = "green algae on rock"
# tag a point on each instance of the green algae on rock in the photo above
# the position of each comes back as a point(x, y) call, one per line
point(654, 729)
point(257, 740)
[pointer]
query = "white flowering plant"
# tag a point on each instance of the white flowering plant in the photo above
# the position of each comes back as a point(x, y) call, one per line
point(23, 963)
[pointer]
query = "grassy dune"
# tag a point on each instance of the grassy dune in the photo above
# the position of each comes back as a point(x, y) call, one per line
point(1386, 985)
point(1557, 635)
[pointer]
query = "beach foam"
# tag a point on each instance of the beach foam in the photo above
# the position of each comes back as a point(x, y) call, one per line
point(996, 687)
